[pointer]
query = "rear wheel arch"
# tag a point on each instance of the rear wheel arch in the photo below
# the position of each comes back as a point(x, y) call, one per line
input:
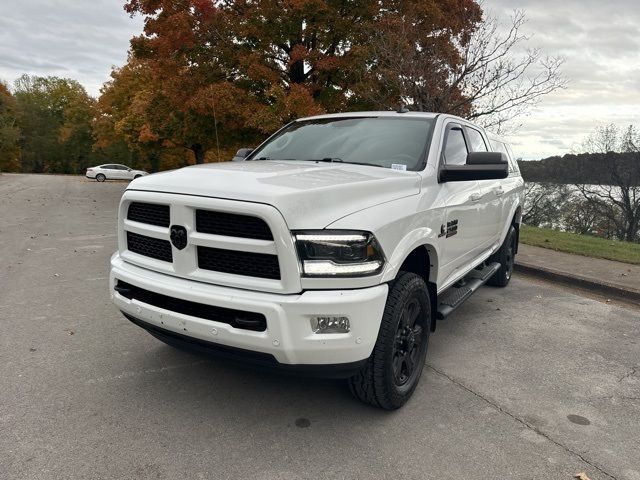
point(514, 219)
point(515, 222)
point(517, 217)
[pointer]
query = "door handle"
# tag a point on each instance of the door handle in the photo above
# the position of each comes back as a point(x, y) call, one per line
point(499, 191)
point(475, 197)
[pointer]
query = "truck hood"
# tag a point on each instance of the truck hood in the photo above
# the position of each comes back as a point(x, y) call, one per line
point(309, 195)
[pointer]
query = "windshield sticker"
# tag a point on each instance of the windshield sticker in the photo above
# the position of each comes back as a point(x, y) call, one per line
point(398, 166)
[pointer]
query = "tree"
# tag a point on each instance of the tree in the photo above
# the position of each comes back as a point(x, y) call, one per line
point(618, 195)
point(56, 118)
point(544, 204)
point(298, 57)
point(123, 125)
point(226, 72)
point(580, 216)
point(413, 54)
point(120, 123)
point(467, 69)
point(193, 100)
point(9, 131)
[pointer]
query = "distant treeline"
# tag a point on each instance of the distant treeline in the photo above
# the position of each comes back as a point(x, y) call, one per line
point(583, 168)
point(589, 193)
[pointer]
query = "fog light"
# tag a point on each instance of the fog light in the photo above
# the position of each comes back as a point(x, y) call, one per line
point(330, 324)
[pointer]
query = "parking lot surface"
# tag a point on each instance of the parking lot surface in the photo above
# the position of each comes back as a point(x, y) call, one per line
point(529, 382)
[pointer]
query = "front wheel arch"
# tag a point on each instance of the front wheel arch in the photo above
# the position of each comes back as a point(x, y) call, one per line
point(420, 262)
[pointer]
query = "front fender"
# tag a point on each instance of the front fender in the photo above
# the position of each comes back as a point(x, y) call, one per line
point(425, 237)
point(400, 226)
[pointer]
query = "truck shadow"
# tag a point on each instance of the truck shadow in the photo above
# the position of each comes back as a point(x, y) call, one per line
point(210, 388)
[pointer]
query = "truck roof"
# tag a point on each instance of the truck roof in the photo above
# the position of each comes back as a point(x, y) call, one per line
point(386, 113)
point(496, 138)
point(373, 113)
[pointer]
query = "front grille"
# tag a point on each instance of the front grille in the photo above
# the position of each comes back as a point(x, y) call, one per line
point(149, 247)
point(236, 318)
point(240, 263)
point(150, 213)
point(232, 225)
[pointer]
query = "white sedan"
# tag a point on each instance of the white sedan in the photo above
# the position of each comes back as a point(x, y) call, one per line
point(114, 171)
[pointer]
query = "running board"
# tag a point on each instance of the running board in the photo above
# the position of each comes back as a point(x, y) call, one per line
point(458, 293)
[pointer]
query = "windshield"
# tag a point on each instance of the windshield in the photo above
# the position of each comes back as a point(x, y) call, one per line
point(391, 142)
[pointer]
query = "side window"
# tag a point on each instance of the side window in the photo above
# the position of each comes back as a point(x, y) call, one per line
point(455, 151)
point(109, 167)
point(513, 159)
point(500, 147)
point(120, 167)
point(476, 141)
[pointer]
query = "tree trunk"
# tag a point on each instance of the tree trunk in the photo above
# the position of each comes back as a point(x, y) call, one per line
point(296, 72)
point(632, 229)
point(198, 151)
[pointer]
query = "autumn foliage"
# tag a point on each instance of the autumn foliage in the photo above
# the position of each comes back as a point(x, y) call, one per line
point(206, 77)
point(210, 76)
point(9, 131)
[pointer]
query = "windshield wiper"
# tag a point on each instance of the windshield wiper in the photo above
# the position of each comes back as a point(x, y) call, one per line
point(317, 160)
point(326, 159)
point(337, 160)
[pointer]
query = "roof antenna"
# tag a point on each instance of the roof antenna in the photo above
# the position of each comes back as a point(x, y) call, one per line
point(215, 126)
point(403, 108)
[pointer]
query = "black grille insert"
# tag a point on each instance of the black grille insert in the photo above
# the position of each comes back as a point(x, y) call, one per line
point(150, 213)
point(240, 263)
point(236, 318)
point(232, 225)
point(149, 246)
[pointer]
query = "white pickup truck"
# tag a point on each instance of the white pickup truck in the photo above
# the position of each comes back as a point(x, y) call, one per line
point(331, 249)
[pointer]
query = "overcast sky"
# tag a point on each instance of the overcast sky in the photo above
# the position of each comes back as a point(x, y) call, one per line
point(600, 40)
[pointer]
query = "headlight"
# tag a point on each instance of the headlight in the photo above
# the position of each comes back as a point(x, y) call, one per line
point(338, 253)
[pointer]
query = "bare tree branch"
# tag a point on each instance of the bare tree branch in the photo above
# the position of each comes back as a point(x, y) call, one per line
point(486, 81)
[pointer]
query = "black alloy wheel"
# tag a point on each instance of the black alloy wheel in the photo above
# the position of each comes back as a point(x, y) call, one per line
point(393, 370)
point(408, 344)
point(505, 256)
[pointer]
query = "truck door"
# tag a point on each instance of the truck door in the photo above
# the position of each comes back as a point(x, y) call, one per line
point(492, 195)
point(511, 185)
point(461, 232)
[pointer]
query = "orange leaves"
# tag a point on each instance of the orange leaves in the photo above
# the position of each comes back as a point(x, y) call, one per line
point(242, 68)
point(329, 63)
point(300, 103)
point(146, 135)
point(298, 53)
point(284, 105)
point(205, 8)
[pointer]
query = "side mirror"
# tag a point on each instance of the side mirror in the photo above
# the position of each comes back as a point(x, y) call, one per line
point(128, 169)
point(242, 154)
point(479, 166)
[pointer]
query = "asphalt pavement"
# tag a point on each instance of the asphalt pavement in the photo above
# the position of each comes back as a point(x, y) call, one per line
point(534, 381)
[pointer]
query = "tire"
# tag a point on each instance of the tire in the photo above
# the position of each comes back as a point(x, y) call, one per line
point(505, 257)
point(100, 177)
point(393, 370)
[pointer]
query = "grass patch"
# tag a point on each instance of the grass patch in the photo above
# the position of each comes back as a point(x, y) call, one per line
point(581, 244)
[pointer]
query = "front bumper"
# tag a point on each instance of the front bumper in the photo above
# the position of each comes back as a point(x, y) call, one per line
point(288, 336)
